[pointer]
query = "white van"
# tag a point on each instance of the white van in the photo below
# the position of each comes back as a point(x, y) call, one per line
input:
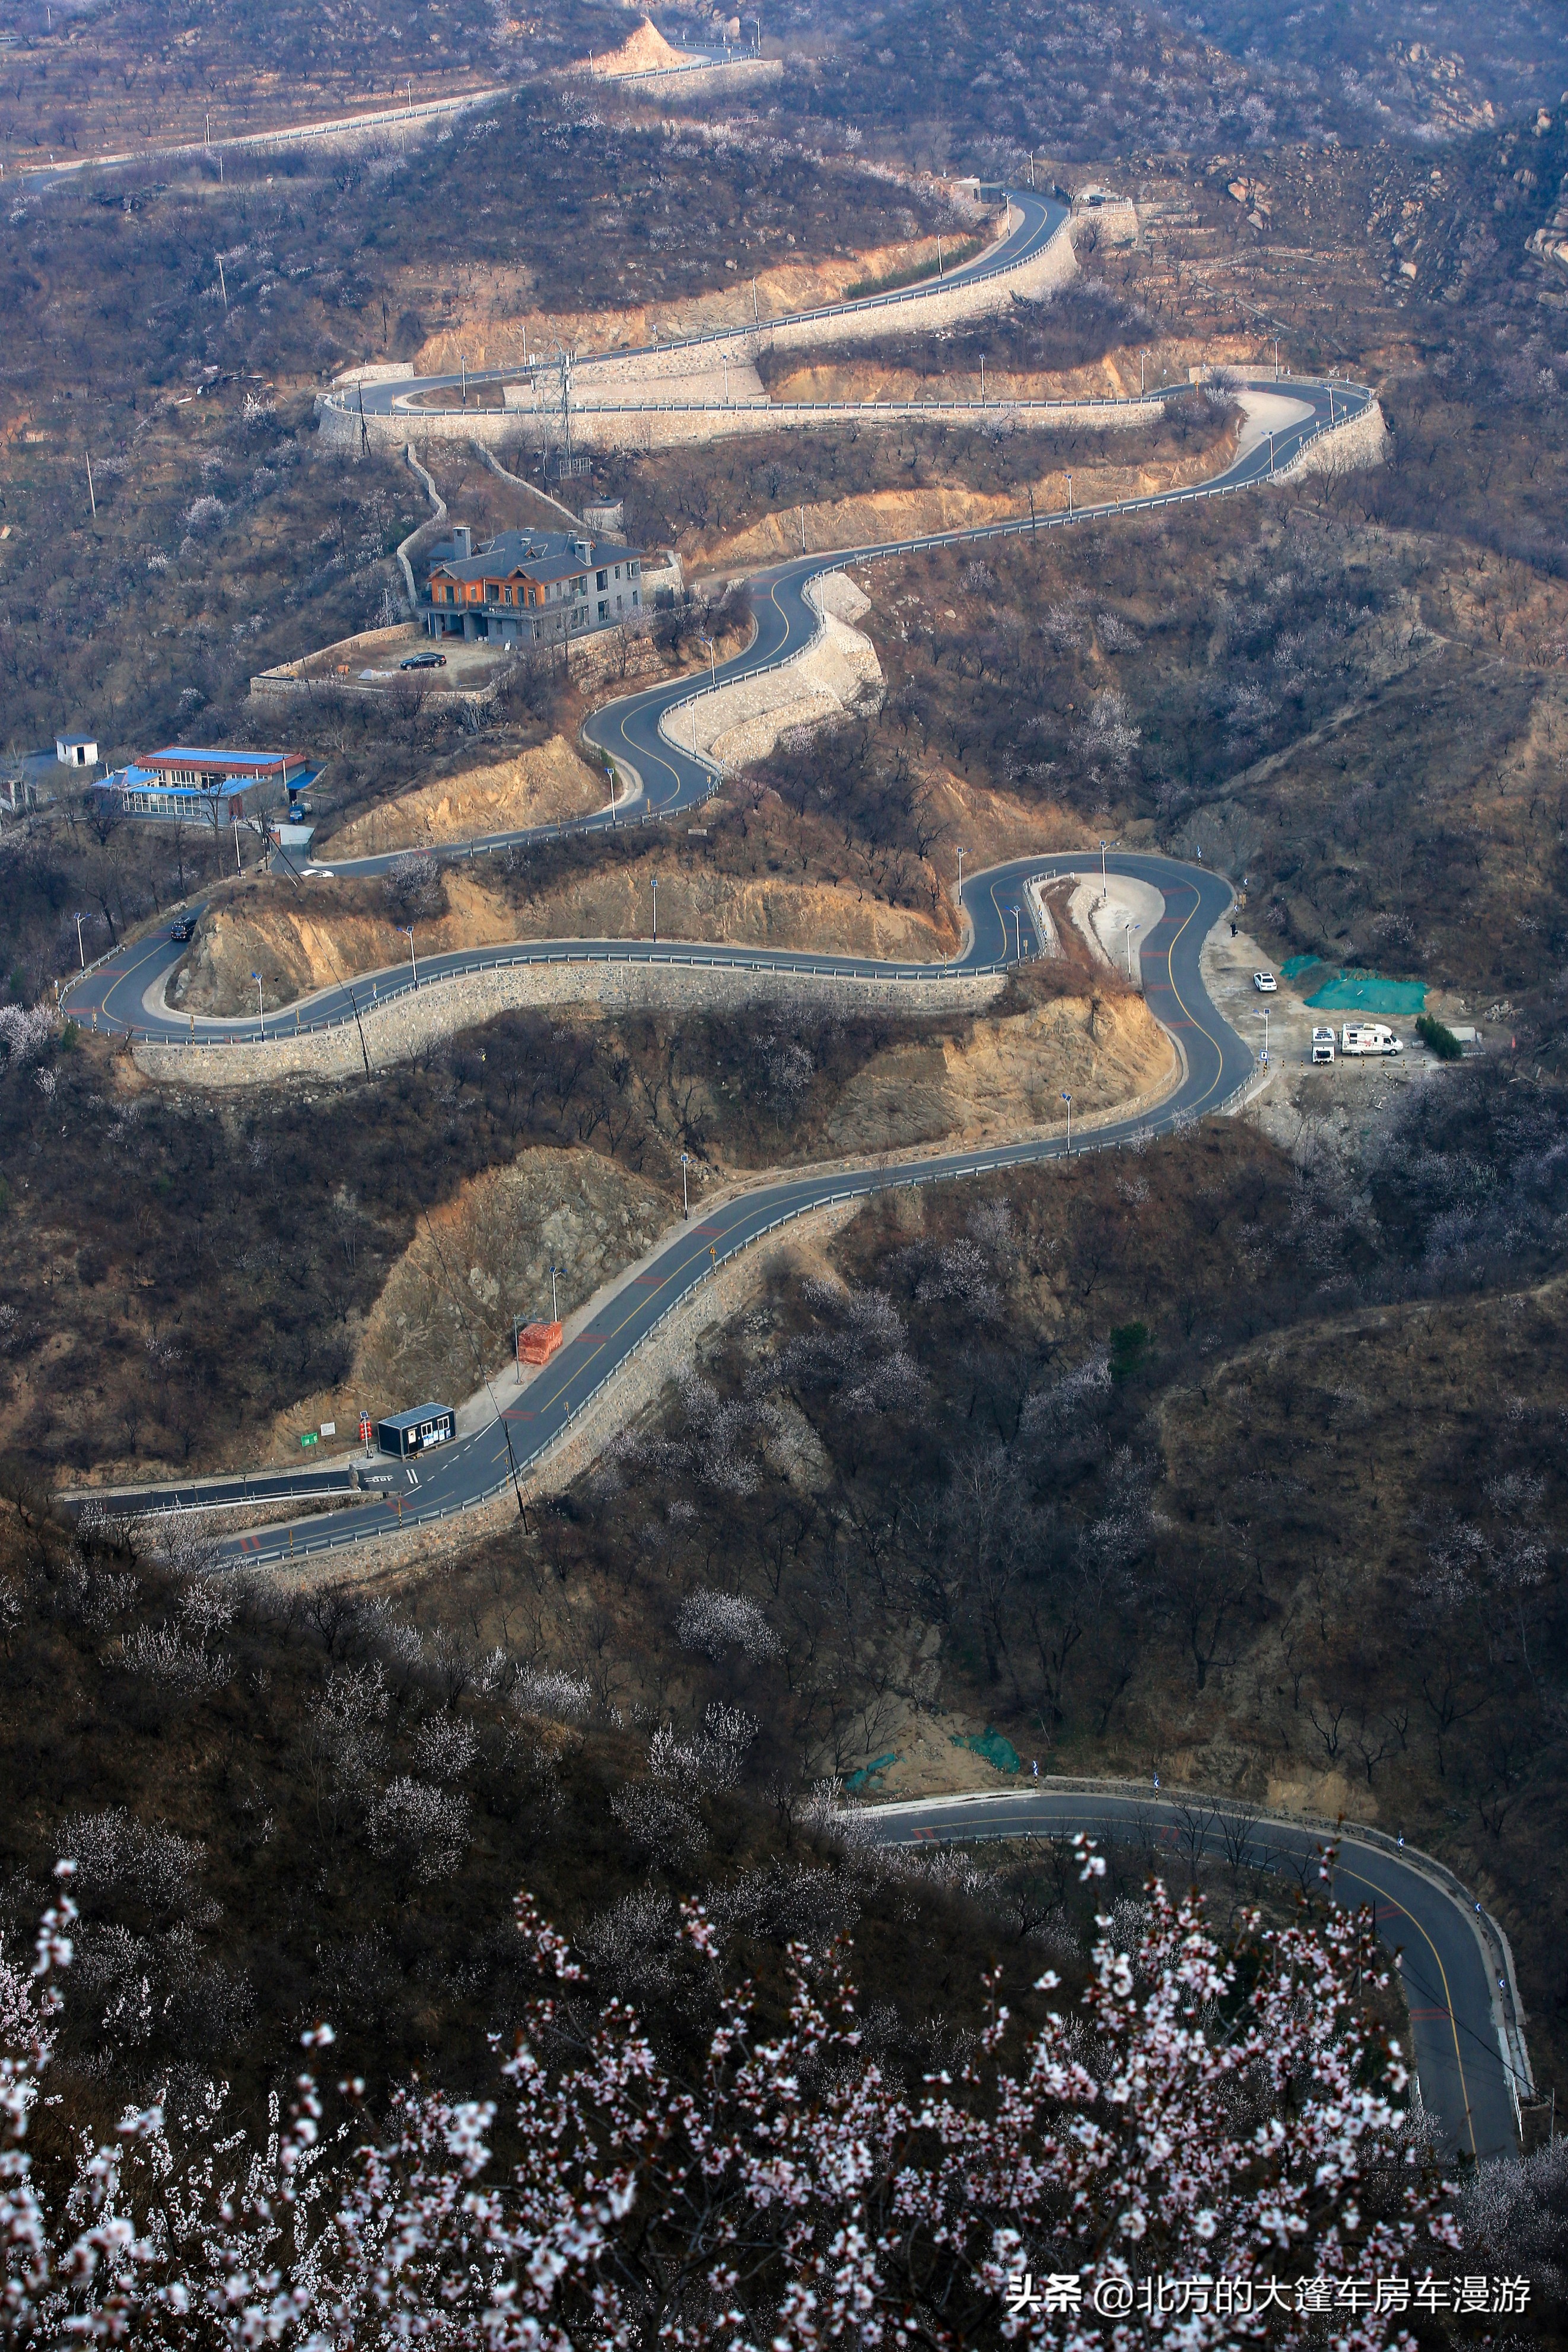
point(1322, 1044)
point(1369, 1037)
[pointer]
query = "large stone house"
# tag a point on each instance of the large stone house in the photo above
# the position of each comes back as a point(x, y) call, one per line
point(530, 587)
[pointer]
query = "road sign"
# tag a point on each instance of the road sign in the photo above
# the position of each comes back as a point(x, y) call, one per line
point(309, 1438)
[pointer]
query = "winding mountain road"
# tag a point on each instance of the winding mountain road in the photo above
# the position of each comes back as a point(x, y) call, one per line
point(1469, 2042)
point(1454, 1963)
point(480, 1463)
point(1032, 222)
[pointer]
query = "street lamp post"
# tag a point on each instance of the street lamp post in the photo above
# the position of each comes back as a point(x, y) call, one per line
point(712, 671)
point(685, 1199)
point(554, 1317)
point(654, 879)
point(1017, 935)
point(1264, 1018)
point(1067, 1098)
point(81, 951)
point(407, 930)
point(960, 878)
point(260, 1007)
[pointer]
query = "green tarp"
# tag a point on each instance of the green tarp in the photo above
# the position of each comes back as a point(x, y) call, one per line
point(1363, 992)
point(991, 1746)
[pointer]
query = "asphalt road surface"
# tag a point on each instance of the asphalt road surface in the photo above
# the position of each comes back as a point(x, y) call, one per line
point(1039, 219)
point(475, 1466)
point(125, 991)
point(1457, 1988)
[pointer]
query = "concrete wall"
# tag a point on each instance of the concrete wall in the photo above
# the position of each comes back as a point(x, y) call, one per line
point(396, 1031)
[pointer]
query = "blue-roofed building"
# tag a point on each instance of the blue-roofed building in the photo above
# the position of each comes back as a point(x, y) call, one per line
point(189, 783)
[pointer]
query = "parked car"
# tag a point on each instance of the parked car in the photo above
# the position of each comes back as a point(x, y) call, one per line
point(1265, 983)
point(423, 661)
point(1322, 1044)
point(185, 929)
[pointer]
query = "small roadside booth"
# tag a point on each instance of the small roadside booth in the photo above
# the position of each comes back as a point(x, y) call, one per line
point(416, 1430)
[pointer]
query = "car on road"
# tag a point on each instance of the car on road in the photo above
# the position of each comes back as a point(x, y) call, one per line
point(423, 661)
point(1265, 983)
point(185, 929)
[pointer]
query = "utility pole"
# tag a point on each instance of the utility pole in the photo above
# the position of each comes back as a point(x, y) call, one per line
point(961, 856)
point(800, 511)
point(1271, 457)
point(464, 366)
point(238, 868)
point(686, 1201)
point(655, 882)
point(1033, 517)
point(92, 498)
point(938, 253)
point(223, 286)
point(260, 1007)
point(982, 378)
point(364, 428)
point(1070, 498)
point(1067, 1098)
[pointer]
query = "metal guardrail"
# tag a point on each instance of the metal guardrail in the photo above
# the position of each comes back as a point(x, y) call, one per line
point(968, 273)
point(1508, 2012)
point(860, 1187)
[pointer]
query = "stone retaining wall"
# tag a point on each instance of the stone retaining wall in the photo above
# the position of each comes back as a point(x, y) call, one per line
point(935, 305)
point(1344, 448)
point(408, 1024)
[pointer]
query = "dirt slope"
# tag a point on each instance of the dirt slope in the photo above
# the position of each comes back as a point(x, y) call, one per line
point(486, 1257)
point(644, 51)
point(300, 944)
point(907, 514)
point(538, 785)
point(1007, 1074)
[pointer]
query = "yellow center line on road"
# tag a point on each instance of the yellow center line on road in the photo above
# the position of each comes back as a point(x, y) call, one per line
point(652, 1291)
point(1170, 962)
point(1453, 2022)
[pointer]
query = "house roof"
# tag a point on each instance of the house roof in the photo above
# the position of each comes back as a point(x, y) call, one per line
point(235, 763)
point(76, 738)
point(416, 1414)
point(541, 555)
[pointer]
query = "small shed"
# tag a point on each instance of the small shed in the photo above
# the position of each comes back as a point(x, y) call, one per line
point(76, 751)
point(416, 1430)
